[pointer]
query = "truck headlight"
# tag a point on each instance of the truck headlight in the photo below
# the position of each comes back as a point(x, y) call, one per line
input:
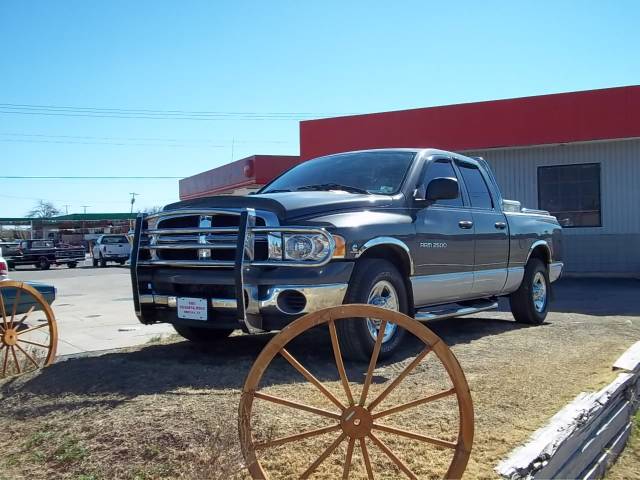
point(306, 247)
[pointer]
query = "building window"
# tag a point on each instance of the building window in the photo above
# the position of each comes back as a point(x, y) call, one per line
point(571, 193)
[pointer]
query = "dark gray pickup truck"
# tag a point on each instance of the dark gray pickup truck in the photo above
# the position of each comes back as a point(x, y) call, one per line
point(422, 231)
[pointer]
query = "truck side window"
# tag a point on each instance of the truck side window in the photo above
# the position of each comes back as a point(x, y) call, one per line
point(442, 168)
point(476, 186)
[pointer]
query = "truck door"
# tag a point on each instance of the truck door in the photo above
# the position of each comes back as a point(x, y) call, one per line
point(444, 245)
point(491, 231)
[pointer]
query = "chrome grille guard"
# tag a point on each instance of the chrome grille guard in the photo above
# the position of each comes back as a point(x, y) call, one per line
point(244, 250)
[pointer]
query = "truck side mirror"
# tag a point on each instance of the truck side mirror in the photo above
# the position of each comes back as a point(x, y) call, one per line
point(442, 188)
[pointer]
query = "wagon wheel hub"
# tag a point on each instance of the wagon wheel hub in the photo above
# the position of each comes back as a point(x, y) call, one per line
point(356, 422)
point(10, 337)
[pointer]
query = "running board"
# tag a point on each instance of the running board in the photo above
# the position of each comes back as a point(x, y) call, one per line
point(454, 312)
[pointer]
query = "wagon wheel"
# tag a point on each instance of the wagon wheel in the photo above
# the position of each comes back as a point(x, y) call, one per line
point(28, 332)
point(360, 420)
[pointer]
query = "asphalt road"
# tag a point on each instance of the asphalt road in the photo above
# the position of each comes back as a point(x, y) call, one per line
point(93, 308)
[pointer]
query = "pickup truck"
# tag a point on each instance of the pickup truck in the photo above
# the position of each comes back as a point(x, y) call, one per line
point(44, 253)
point(110, 248)
point(421, 231)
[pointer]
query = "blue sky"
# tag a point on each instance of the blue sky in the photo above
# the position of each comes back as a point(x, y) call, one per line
point(311, 58)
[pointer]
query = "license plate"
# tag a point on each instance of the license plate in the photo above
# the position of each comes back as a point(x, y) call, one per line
point(192, 308)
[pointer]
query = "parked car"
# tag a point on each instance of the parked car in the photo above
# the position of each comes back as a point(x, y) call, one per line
point(25, 302)
point(111, 248)
point(421, 231)
point(44, 253)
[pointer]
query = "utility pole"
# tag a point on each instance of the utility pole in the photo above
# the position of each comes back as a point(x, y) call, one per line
point(84, 207)
point(133, 200)
point(66, 209)
point(84, 227)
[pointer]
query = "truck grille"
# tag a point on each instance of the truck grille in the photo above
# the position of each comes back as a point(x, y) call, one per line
point(209, 238)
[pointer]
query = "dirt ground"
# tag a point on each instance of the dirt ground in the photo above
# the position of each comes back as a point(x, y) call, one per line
point(169, 410)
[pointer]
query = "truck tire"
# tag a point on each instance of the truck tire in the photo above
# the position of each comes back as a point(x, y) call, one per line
point(374, 281)
point(94, 260)
point(202, 335)
point(530, 303)
point(72, 264)
point(103, 262)
point(43, 263)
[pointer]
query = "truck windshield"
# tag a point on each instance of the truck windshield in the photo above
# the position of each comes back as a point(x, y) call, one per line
point(367, 172)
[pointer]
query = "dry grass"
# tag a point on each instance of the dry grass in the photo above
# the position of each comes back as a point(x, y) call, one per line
point(170, 410)
point(627, 466)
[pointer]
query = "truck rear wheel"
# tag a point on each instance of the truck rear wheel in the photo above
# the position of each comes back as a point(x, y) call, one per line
point(202, 335)
point(43, 263)
point(376, 282)
point(72, 264)
point(530, 303)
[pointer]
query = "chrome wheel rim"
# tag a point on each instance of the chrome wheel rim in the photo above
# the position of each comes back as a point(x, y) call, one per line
point(384, 295)
point(539, 292)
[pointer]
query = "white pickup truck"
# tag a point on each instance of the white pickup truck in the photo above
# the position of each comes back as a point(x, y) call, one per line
point(110, 248)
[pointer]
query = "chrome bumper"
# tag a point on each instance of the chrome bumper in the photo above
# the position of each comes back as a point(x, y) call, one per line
point(555, 270)
point(316, 296)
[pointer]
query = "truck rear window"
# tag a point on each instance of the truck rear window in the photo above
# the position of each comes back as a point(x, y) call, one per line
point(112, 240)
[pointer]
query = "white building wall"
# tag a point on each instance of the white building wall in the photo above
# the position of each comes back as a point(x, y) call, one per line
point(615, 246)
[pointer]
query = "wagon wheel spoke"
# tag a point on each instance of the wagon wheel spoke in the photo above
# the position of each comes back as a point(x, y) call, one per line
point(415, 403)
point(31, 309)
point(298, 436)
point(5, 325)
point(399, 378)
point(339, 363)
point(373, 362)
point(347, 461)
point(32, 329)
point(33, 343)
point(15, 359)
point(392, 456)
point(6, 360)
point(312, 468)
point(299, 406)
point(311, 378)
point(415, 436)
point(15, 307)
point(365, 457)
point(26, 354)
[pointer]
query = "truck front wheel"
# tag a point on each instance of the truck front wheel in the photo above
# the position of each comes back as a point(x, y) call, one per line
point(376, 282)
point(43, 263)
point(530, 303)
point(202, 335)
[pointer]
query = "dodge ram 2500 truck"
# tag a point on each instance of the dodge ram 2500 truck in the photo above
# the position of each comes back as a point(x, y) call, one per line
point(422, 231)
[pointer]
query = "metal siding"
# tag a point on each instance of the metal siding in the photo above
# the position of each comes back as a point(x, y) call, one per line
point(611, 248)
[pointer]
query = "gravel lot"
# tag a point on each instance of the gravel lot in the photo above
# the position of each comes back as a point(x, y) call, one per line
point(169, 410)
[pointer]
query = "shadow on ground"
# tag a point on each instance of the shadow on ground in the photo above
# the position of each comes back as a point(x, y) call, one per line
point(165, 368)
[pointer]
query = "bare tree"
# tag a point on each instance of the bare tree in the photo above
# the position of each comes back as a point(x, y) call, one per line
point(43, 210)
point(152, 210)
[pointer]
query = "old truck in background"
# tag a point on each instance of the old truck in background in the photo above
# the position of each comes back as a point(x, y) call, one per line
point(44, 253)
point(421, 231)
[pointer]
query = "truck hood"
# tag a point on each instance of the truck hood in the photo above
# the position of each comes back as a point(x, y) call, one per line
point(291, 205)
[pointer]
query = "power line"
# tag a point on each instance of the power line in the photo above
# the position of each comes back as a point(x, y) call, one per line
point(85, 177)
point(143, 139)
point(149, 114)
point(164, 112)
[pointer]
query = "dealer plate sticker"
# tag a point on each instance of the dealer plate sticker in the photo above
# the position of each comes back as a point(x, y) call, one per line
point(192, 308)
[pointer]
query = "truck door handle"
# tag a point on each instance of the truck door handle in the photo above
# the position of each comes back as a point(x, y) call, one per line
point(466, 224)
point(501, 225)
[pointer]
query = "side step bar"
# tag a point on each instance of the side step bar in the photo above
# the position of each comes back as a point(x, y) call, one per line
point(423, 315)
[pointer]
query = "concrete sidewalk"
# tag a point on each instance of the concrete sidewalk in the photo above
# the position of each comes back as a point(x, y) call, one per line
point(94, 309)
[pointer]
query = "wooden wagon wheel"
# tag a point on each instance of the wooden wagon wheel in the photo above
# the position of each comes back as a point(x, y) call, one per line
point(27, 340)
point(357, 420)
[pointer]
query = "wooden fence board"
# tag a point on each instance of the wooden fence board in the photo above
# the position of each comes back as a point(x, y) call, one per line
point(607, 458)
point(629, 360)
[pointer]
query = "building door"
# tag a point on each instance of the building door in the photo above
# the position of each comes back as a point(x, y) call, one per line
point(444, 244)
